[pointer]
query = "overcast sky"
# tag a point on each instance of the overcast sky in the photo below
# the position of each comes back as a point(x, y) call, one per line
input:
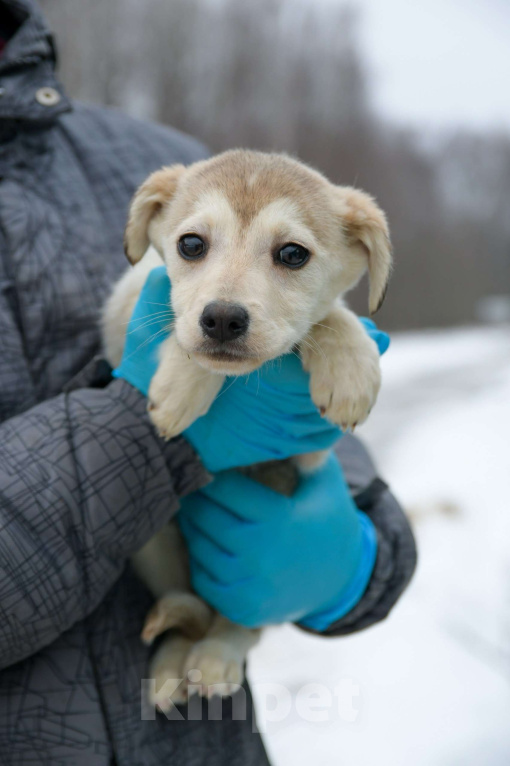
point(439, 63)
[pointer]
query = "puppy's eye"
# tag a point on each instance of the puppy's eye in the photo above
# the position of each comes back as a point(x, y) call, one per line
point(293, 255)
point(190, 246)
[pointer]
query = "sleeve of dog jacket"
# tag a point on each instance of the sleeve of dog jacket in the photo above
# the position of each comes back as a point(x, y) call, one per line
point(84, 482)
point(396, 548)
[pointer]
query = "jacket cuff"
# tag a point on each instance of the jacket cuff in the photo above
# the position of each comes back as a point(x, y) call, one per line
point(321, 621)
point(394, 565)
point(182, 460)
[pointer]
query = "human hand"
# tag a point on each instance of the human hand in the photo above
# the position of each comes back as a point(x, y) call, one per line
point(148, 327)
point(266, 415)
point(259, 557)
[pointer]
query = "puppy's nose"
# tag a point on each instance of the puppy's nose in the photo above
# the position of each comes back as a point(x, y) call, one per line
point(224, 321)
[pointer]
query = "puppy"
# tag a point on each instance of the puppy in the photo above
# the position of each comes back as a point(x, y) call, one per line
point(259, 249)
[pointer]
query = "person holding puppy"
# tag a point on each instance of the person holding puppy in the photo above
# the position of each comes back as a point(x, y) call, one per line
point(85, 481)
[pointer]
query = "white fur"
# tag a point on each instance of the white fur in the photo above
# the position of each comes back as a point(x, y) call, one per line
point(286, 308)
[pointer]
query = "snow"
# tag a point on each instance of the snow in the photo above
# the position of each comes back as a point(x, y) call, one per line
point(430, 685)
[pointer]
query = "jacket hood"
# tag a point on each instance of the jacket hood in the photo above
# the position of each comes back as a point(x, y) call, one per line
point(28, 87)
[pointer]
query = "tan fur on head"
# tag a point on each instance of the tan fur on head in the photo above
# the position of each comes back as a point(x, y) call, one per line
point(365, 223)
point(147, 203)
point(239, 302)
point(246, 205)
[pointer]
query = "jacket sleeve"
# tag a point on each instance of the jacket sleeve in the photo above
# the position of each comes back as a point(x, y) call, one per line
point(84, 482)
point(396, 549)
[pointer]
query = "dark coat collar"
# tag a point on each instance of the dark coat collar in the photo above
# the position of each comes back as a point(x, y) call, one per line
point(27, 66)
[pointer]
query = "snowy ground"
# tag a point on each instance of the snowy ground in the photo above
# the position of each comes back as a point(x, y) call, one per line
point(430, 687)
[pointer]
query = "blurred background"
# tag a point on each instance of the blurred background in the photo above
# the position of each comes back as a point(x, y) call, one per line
point(409, 101)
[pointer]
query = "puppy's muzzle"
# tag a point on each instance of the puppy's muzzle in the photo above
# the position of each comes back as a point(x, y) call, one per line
point(224, 321)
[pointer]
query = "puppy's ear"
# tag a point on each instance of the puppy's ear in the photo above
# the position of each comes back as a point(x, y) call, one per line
point(148, 202)
point(365, 224)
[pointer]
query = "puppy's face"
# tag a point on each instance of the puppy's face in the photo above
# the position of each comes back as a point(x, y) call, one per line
point(257, 248)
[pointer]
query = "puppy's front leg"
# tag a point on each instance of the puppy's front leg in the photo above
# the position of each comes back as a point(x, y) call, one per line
point(343, 362)
point(180, 390)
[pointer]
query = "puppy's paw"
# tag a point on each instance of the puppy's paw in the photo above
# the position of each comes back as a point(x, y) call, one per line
point(214, 667)
point(346, 393)
point(346, 390)
point(170, 417)
point(168, 684)
point(345, 375)
point(184, 611)
point(180, 391)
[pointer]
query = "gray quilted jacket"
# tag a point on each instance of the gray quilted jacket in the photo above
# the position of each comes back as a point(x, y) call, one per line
point(84, 480)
